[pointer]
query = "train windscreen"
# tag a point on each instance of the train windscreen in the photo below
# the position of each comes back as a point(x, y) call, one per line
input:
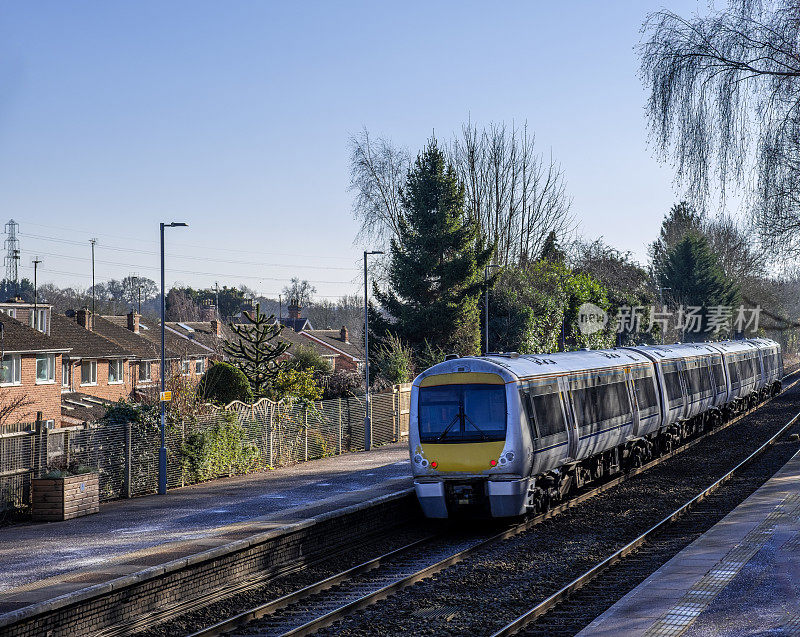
point(462, 413)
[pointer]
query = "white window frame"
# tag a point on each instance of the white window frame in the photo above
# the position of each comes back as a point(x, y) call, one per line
point(149, 376)
point(65, 367)
point(38, 320)
point(11, 311)
point(199, 366)
point(186, 367)
point(50, 369)
point(121, 376)
point(16, 369)
point(92, 373)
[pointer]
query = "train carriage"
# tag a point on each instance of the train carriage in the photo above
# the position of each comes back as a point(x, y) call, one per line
point(506, 434)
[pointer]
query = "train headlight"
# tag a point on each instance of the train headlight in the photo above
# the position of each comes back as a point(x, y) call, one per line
point(424, 463)
point(510, 456)
point(418, 459)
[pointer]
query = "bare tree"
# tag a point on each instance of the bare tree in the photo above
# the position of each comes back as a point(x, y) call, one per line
point(377, 173)
point(725, 103)
point(518, 196)
point(299, 291)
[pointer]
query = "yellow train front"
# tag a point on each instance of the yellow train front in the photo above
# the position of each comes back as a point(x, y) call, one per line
point(466, 443)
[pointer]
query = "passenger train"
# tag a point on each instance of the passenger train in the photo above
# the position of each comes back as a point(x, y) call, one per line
point(507, 434)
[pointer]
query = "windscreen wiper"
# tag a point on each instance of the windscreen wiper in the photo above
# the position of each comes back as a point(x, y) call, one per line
point(446, 429)
point(478, 429)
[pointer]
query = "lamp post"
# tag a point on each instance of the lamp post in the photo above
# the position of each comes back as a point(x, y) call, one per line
point(486, 271)
point(162, 454)
point(367, 421)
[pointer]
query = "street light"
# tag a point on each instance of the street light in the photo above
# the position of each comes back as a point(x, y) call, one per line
point(162, 454)
point(486, 303)
point(367, 422)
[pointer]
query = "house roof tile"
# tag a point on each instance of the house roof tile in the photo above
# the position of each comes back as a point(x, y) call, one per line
point(84, 343)
point(17, 337)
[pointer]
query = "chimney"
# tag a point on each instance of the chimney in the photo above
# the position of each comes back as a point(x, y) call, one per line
point(343, 334)
point(216, 327)
point(294, 309)
point(133, 321)
point(85, 318)
point(208, 311)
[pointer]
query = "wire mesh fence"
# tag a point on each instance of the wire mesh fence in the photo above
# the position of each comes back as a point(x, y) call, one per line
point(235, 440)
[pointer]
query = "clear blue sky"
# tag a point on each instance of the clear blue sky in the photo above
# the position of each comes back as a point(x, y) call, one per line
point(235, 116)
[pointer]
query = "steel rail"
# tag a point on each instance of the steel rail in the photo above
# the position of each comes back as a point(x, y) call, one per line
point(543, 607)
point(368, 599)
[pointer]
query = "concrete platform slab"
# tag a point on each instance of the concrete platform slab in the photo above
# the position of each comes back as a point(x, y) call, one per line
point(41, 561)
point(742, 577)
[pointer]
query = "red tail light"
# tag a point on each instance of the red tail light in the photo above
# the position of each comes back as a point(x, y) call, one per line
point(493, 463)
point(434, 464)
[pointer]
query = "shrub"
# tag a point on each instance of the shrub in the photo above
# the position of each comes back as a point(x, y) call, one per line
point(217, 450)
point(343, 383)
point(223, 383)
point(301, 385)
point(394, 360)
point(306, 358)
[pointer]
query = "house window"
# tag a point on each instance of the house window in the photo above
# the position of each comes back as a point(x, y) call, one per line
point(199, 366)
point(64, 373)
point(186, 367)
point(45, 368)
point(144, 370)
point(115, 372)
point(12, 312)
point(39, 320)
point(89, 373)
point(11, 371)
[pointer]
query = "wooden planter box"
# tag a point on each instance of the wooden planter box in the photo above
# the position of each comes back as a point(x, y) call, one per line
point(55, 499)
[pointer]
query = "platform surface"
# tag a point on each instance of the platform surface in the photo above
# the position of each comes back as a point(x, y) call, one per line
point(742, 577)
point(39, 561)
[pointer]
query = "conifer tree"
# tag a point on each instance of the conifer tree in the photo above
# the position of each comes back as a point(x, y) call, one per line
point(694, 278)
point(255, 352)
point(436, 262)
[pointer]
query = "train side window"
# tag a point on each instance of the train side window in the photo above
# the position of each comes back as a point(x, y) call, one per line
point(673, 386)
point(733, 372)
point(719, 376)
point(645, 392)
point(549, 417)
point(525, 397)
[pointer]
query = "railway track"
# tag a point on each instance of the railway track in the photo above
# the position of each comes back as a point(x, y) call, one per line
point(338, 597)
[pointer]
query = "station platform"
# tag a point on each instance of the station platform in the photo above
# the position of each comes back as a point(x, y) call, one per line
point(42, 561)
point(742, 577)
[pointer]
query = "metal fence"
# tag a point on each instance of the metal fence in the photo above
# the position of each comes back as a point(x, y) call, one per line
point(231, 441)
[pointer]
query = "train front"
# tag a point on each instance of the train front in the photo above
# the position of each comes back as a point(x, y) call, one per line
point(467, 447)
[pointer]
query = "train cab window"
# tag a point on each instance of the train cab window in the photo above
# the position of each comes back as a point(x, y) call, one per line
point(645, 393)
point(462, 413)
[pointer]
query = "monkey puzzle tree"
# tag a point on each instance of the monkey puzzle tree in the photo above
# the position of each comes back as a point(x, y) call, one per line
point(256, 352)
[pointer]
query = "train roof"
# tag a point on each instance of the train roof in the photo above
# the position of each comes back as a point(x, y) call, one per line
point(513, 367)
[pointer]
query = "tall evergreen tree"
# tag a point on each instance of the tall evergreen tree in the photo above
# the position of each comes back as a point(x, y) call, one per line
point(255, 351)
point(437, 262)
point(695, 278)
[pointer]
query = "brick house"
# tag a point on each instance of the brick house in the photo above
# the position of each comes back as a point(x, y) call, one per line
point(33, 315)
point(30, 374)
point(347, 356)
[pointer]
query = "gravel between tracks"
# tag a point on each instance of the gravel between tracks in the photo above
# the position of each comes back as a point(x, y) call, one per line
point(285, 584)
point(489, 589)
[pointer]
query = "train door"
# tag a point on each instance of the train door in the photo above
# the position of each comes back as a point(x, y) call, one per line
point(685, 391)
point(572, 422)
point(634, 402)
